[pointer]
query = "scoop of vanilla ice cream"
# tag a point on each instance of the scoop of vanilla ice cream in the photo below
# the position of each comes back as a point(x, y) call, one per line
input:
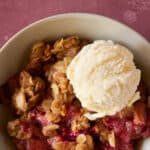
point(104, 78)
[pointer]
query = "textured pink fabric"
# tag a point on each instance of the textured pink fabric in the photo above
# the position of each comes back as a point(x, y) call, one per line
point(16, 14)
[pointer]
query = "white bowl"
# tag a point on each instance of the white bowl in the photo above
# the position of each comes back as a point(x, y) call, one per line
point(89, 26)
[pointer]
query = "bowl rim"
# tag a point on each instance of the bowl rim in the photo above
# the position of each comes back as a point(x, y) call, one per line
point(73, 14)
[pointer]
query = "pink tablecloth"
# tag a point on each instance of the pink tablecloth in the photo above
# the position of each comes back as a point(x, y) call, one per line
point(16, 14)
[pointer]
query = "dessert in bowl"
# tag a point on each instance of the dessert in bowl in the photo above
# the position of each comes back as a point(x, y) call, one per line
point(53, 96)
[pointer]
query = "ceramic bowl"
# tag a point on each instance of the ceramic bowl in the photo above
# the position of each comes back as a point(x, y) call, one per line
point(89, 26)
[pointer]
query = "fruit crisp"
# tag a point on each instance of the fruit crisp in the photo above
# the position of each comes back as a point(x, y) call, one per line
point(48, 115)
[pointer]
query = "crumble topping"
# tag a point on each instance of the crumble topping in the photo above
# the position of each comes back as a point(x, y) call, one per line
point(48, 115)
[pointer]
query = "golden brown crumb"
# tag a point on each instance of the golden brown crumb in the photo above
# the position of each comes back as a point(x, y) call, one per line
point(81, 138)
point(19, 102)
point(66, 47)
point(14, 130)
point(56, 75)
point(32, 87)
point(37, 50)
point(39, 84)
point(58, 107)
point(111, 139)
point(84, 142)
point(71, 41)
point(40, 52)
point(25, 79)
point(55, 91)
point(46, 104)
point(80, 123)
point(50, 130)
point(52, 117)
point(104, 133)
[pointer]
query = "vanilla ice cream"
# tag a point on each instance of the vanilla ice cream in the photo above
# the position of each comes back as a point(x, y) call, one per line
point(104, 78)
